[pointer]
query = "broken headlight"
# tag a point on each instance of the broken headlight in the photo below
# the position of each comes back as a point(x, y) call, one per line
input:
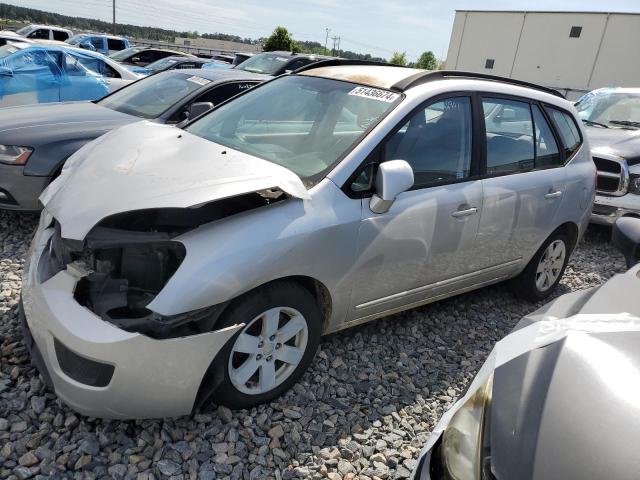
point(462, 449)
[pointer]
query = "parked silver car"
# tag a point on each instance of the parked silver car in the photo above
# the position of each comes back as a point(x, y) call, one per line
point(173, 266)
point(558, 397)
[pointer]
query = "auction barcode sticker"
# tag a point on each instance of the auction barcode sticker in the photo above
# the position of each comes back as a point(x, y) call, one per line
point(375, 94)
point(198, 80)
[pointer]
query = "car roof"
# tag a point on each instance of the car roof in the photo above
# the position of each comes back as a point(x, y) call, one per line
point(380, 76)
point(218, 75)
point(37, 25)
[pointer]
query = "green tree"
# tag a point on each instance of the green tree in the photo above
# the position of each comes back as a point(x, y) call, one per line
point(399, 58)
point(280, 39)
point(427, 61)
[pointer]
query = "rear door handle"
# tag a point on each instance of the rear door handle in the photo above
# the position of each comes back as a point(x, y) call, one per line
point(464, 213)
point(551, 195)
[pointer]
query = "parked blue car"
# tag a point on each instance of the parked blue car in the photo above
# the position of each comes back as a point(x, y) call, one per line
point(37, 74)
point(105, 44)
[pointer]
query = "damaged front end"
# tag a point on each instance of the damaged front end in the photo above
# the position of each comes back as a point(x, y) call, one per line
point(127, 259)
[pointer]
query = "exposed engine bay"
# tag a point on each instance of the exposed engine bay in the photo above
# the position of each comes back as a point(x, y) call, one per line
point(128, 258)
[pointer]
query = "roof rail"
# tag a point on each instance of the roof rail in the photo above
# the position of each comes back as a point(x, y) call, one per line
point(430, 76)
point(335, 62)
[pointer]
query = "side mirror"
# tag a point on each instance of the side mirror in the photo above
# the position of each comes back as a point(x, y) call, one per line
point(88, 46)
point(198, 108)
point(625, 236)
point(393, 178)
point(6, 72)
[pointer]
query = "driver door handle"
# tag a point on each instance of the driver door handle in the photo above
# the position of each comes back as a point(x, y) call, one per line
point(464, 213)
point(551, 195)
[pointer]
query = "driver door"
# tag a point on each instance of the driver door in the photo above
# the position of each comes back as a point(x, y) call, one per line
point(420, 249)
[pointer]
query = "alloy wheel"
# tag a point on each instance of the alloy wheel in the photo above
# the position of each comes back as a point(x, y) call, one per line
point(268, 350)
point(550, 265)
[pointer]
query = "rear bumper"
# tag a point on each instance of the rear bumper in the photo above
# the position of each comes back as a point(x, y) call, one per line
point(146, 378)
point(606, 210)
point(19, 191)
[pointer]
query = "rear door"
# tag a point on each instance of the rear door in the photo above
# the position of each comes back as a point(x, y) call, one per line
point(523, 185)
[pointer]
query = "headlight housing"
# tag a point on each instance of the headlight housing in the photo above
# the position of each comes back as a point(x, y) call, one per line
point(12, 155)
point(634, 183)
point(462, 441)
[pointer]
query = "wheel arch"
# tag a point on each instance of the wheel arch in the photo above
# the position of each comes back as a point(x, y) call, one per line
point(571, 230)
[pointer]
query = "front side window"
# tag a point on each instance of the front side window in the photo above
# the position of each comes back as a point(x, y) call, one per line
point(298, 122)
point(152, 96)
point(40, 34)
point(509, 133)
point(436, 142)
point(568, 130)
point(96, 42)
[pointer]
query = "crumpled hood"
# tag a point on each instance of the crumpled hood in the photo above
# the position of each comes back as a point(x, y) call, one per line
point(621, 142)
point(27, 119)
point(146, 165)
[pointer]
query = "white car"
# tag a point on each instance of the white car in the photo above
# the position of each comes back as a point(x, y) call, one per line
point(45, 32)
point(172, 266)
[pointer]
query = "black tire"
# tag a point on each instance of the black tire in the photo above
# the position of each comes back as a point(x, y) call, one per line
point(248, 307)
point(524, 285)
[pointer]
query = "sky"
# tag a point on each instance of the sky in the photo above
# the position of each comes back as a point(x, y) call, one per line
point(378, 27)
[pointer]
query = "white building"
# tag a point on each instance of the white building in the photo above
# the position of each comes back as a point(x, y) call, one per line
point(572, 51)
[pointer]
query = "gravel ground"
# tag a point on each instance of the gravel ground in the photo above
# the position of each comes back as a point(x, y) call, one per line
point(363, 410)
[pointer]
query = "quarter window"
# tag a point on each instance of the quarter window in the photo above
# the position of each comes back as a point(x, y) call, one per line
point(568, 130)
point(509, 130)
point(436, 142)
point(547, 153)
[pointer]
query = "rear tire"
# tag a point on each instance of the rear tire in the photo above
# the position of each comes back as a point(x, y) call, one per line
point(544, 271)
point(283, 326)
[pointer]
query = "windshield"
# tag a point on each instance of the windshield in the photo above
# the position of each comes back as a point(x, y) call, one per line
point(267, 63)
point(152, 96)
point(161, 64)
point(25, 30)
point(303, 123)
point(123, 54)
point(611, 109)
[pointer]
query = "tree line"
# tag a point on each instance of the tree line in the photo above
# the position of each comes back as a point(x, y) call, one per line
point(280, 39)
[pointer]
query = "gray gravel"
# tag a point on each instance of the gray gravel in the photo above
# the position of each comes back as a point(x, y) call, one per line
point(363, 410)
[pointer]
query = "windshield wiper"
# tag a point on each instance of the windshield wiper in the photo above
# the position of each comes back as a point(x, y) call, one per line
point(591, 122)
point(625, 123)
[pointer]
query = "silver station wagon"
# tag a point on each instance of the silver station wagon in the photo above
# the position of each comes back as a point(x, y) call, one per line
point(176, 266)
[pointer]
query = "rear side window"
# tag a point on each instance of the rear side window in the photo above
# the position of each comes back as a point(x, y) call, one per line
point(509, 131)
point(547, 152)
point(60, 35)
point(115, 44)
point(568, 130)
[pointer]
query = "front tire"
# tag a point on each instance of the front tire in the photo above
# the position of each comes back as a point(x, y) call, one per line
point(544, 271)
point(282, 331)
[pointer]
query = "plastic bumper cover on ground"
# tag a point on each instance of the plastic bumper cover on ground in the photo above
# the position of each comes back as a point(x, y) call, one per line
point(19, 191)
point(151, 378)
point(606, 210)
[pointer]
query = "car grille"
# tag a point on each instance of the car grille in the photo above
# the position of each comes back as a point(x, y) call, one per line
point(613, 176)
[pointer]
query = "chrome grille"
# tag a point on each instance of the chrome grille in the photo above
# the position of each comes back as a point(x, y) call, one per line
point(613, 176)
